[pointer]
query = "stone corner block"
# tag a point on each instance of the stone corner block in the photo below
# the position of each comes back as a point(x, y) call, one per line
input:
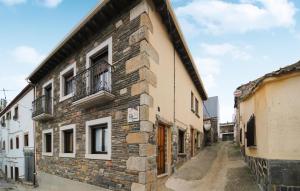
point(148, 49)
point(139, 9)
point(146, 126)
point(146, 21)
point(146, 150)
point(146, 99)
point(137, 138)
point(137, 164)
point(141, 34)
point(148, 76)
point(138, 187)
point(144, 112)
point(147, 177)
point(135, 63)
point(139, 88)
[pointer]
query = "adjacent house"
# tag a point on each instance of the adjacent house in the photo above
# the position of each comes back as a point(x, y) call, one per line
point(268, 121)
point(119, 102)
point(211, 115)
point(17, 137)
point(227, 131)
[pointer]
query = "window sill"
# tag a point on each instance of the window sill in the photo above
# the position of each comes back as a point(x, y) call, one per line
point(98, 156)
point(63, 98)
point(67, 155)
point(47, 154)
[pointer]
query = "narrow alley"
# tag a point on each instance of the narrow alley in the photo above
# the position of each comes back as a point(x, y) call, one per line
point(216, 168)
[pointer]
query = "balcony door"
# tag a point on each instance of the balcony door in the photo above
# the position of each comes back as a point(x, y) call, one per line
point(48, 98)
point(100, 78)
point(161, 155)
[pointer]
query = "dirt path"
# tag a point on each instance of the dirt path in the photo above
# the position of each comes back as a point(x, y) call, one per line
point(216, 168)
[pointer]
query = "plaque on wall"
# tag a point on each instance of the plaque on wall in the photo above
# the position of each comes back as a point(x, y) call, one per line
point(133, 114)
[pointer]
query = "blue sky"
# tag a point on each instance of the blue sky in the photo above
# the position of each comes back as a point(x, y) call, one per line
point(232, 41)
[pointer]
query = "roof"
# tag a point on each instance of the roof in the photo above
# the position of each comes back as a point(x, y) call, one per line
point(16, 99)
point(100, 17)
point(251, 87)
point(211, 107)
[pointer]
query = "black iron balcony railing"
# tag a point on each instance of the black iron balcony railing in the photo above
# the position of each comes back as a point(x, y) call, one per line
point(42, 105)
point(92, 80)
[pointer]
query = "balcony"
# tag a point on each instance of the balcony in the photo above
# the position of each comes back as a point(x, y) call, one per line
point(93, 86)
point(42, 108)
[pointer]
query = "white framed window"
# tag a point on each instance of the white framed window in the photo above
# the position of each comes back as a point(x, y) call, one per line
point(98, 139)
point(67, 141)
point(107, 44)
point(47, 142)
point(66, 82)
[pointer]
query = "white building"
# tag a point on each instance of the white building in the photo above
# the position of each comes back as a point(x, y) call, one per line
point(17, 136)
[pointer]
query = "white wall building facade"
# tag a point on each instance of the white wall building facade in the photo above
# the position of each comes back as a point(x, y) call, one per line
point(17, 134)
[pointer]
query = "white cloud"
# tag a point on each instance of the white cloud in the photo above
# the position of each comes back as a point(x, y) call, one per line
point(26, 55)
point(12, 2)
point(223, 17)
point(209, 69)
point(50, 3)
point(225, 49)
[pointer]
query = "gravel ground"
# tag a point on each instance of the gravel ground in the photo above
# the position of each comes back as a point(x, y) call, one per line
point(217, 168)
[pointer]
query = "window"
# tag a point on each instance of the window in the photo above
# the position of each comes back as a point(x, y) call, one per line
point(66, 82)
point(17, 142)
point(3, 145)
point(67, 141)
point(250, 134)
point(16, 173)
point(3, 121)
point(11, 144)
point(47, 105)
point(8, 115)
point(98, 140)
point(196, 106)
point(181, 140)
point(11, 172)
point(26, 140)
point(192, 101)
point(16, 115)
point(47, 140)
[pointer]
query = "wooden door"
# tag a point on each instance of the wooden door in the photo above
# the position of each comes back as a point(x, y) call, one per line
point(161, 150)
point(192, 142)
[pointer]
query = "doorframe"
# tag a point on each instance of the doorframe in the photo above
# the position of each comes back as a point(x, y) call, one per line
point(168, 128)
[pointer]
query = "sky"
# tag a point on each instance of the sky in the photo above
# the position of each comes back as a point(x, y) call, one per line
point(232, 41)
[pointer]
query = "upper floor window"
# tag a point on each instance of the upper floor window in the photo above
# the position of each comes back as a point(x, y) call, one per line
point(8, 115)
point(17, 142)
point(67, 82)
point(196, 106)
point(98, 140)
point(3, 121)
point(3, 145)
point(192, 101)
point(16, 113)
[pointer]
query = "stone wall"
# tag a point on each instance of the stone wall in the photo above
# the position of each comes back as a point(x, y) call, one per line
point(275, 175)
point(133, 163)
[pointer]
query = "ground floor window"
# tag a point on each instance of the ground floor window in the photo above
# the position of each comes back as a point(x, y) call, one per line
point(16, 173)
point(98, 138)
point(17, 142)
point(181, 140)
point(67, 141)
point(47, 141)
point(11, 172)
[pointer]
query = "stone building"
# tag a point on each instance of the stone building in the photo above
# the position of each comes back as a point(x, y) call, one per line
point(211, 114)
point(17, 137)
point(118, 103)
point(227, 131)
point(267, 115)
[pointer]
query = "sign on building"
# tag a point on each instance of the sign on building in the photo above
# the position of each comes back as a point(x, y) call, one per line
point(133, 114)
